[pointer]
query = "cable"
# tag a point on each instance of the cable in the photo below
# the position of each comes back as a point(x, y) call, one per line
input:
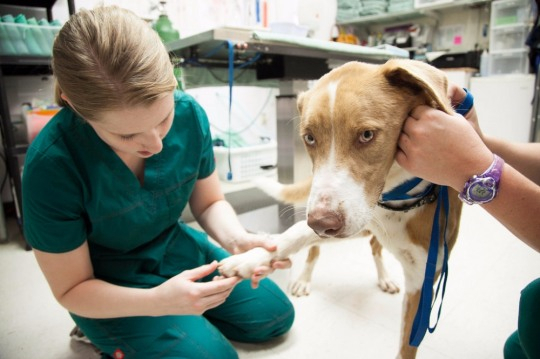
point(231, 83)
point(253, 121)
point(231, 67)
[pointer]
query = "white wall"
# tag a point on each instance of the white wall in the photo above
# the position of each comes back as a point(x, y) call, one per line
point(191, 17)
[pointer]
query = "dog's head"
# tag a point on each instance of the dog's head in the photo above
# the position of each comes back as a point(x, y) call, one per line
point(350, 122)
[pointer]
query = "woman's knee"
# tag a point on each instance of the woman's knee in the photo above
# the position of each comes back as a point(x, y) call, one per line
point(158, 337)
point(254, 315)
point(529, 319)
point(512, 347)
point(275, 319)
point(276, 325)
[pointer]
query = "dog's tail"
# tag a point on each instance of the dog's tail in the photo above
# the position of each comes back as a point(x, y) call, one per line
point(295, 193)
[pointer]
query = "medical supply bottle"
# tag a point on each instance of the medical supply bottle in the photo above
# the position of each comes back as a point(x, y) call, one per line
point(484, 64)
point(168, 33)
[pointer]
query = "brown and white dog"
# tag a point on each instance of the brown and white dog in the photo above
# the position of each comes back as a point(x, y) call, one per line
point(350, 122)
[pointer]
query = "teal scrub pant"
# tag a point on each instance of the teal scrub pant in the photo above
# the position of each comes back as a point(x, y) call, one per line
point(248, 315)
point(524, 343)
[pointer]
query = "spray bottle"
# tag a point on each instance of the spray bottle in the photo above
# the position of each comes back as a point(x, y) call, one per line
point(168, 33)
point(484, 64)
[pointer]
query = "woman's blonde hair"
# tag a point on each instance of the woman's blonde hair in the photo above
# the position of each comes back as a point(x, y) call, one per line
point(108, 59)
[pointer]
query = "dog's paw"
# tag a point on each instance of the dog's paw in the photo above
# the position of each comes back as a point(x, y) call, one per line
point(300, 288)
point(244, 264)
point(388, 286)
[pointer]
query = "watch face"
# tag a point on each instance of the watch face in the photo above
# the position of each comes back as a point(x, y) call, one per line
point(482, 190)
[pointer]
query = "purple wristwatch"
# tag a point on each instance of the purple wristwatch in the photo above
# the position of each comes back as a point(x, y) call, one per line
point(480, 189)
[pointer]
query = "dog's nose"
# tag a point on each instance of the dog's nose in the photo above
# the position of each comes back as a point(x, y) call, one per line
point(325, 223)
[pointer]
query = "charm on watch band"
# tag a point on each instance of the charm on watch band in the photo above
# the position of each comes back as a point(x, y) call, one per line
point(480, 189)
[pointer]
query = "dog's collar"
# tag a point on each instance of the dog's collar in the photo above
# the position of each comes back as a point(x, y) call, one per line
point(411, 194)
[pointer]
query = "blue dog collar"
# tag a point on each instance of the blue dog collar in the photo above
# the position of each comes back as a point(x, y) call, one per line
point(465, 106)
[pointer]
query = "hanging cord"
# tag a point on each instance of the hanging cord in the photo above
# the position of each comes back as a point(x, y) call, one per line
point(230, 52)
point(251, 122)
point(231, 83)
point(230, 46)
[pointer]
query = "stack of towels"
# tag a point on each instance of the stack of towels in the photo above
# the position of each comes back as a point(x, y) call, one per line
point(373, 7)
point(400, 5)
point(348, 10)
point(351, 9)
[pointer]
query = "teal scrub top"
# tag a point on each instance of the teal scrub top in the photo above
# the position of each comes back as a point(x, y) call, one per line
point(76, 189)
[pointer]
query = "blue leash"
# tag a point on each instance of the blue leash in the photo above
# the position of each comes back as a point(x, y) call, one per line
point(422, 318)
point(425, 306)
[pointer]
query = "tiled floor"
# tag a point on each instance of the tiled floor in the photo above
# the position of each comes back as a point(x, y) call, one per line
point(346, 315)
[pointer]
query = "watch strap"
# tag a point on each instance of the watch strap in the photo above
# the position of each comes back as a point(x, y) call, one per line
point(493, 173)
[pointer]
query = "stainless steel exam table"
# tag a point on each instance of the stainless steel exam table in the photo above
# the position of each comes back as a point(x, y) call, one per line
point(291, 61)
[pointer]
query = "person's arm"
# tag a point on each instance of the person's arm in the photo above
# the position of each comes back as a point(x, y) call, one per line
point(446, 149)
point(217, 217)
point(70, 277)
point(517, 206)
point(524, 157)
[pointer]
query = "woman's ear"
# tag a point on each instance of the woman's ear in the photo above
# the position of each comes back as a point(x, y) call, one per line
point(66, 100)
point(64, 97)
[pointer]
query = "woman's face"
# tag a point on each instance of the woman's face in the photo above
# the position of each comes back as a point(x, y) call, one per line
point(137, 131)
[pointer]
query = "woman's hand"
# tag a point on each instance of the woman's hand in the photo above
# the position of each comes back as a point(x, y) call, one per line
point(441, 148)
point(246, 241)
point(456, 95)
point(217, 217)
point(183, 295)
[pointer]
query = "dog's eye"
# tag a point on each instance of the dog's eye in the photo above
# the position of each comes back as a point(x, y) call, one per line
point(366, 136)
point(309, 139)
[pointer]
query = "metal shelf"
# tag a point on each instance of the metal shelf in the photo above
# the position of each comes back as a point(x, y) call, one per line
point(47, 4)
point(428, 11)
point(29, 3)
point(26, 66)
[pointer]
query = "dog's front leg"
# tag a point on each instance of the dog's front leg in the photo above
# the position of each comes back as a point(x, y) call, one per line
point(289, 242)
point(410, 305)
point(302, 285)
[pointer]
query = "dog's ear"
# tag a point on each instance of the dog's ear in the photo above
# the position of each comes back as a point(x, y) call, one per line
point(421, 79)
point(300, 102)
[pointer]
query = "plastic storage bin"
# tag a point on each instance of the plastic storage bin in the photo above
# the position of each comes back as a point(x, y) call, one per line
point(508, 37)
point(22, 39)
point(36, 119)
point(509, 62)
point(246, 162)
point(510, 12)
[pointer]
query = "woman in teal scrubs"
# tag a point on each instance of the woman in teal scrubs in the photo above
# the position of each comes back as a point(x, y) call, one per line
point(104, 185)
